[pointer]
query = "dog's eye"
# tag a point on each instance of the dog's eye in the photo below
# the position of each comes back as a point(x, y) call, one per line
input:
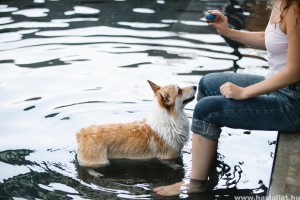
point(179, 91)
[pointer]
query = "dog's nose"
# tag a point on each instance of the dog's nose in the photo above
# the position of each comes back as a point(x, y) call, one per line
point(195, 87)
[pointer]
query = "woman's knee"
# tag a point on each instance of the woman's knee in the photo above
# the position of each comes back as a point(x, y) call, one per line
point(207, 85)
point(205, 107)
point(200, 111)
point(201, 90)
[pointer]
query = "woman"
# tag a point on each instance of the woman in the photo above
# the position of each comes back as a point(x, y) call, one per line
point(247, 101)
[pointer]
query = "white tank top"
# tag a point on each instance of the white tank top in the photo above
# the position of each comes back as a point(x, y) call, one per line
point(276, 44)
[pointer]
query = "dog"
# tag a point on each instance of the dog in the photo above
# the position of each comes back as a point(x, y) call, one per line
point(162, 135)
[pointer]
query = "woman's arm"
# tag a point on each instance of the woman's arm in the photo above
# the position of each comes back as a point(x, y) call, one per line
point(253, 39)
point(289, 75)
point(275, 82)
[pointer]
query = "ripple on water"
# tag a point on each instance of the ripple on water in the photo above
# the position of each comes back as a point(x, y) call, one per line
point(66, 65)
point(143, 10)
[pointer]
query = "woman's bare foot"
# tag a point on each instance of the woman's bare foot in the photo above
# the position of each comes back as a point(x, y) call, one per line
point(194, 186)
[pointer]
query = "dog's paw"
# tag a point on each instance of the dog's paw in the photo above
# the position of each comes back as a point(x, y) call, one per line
point(94, 173)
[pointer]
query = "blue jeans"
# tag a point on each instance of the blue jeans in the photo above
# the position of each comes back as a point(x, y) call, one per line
point(277, 111)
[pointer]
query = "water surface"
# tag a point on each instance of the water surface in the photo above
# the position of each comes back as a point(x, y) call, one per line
point(68, 64)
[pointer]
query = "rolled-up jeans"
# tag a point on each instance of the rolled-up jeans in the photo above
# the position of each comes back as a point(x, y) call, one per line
point(276, 111)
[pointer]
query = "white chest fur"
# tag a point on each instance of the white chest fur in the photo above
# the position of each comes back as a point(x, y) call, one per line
point(173, 128)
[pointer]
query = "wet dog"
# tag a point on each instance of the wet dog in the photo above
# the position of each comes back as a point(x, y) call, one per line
point(162, 135)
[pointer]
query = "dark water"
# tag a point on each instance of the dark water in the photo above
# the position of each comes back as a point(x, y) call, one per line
point(69, 64)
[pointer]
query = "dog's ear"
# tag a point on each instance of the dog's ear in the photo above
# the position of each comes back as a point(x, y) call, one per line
point(165, 100)
point(154, 87)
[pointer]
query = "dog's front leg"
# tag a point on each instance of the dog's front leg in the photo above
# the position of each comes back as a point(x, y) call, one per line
point(93, 173)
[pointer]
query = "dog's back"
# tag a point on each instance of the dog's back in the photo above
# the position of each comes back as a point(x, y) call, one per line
point(135, 140)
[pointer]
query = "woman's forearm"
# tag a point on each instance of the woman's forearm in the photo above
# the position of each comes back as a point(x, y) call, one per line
point(275, 82)
point(252, 39)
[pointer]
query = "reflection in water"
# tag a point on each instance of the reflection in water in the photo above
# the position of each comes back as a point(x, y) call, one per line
point(36, 12)
point(125, 178)
point(69, 64)
point(15, 157)
point(143, 10)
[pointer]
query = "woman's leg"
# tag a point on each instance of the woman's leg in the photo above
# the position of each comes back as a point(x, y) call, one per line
point(203, 153)
point(266, 112)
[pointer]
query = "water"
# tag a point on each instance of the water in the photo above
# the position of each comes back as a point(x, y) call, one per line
point(68, 64)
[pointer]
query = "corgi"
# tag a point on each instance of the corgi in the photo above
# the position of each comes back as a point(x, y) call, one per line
point(162, 135)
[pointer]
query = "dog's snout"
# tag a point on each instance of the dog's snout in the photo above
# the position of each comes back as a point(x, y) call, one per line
point(194, 87)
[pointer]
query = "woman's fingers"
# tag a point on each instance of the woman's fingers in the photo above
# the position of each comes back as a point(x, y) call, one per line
point(226, 89)
point(220, 23)
point(232, 91)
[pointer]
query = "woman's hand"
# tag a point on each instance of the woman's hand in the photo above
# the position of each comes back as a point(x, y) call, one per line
point(221, 23)
point(232, 91)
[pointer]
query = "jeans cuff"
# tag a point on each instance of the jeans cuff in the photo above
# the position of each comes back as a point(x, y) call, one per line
point(205, 129)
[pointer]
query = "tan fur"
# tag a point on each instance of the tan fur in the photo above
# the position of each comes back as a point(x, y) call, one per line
point(133, 140)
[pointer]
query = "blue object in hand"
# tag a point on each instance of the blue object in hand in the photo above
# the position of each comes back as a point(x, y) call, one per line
point(211, 17)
